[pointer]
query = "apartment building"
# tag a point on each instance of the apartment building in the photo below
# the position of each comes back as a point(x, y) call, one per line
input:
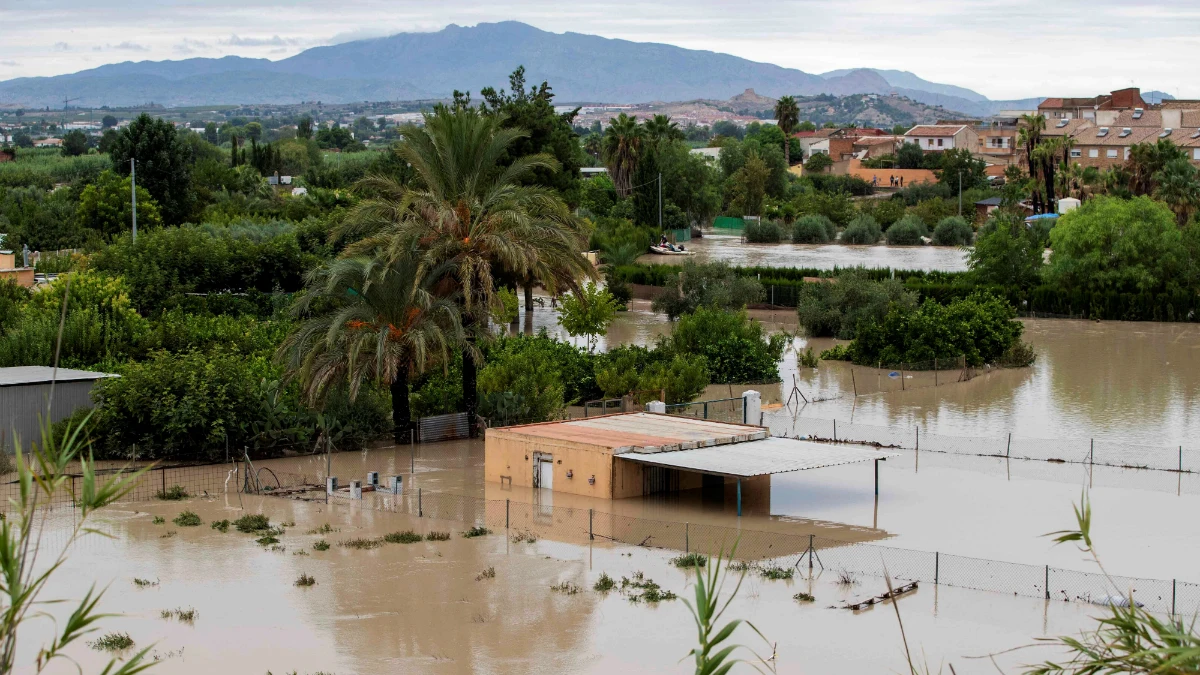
point(942, 137)
point(1101, 109)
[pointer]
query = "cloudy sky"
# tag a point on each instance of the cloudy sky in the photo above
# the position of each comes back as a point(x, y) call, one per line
point(1001, 48)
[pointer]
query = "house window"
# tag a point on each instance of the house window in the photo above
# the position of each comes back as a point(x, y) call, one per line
point(939, 142)
point(931, 142)
point(1093, 152)
point(1076, 152)
point(1112, 153)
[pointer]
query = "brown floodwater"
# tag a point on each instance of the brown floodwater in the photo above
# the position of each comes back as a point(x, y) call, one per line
point(423, 608)
point(732, 250)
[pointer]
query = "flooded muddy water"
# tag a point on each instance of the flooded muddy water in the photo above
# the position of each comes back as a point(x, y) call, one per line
point(732, 250)
point(426, 607)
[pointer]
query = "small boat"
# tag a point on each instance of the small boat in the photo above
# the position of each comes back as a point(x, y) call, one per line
point(662, 250)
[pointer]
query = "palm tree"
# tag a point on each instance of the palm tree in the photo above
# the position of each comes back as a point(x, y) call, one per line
point(372, 318)
point(1177, 186)
point(1045, 156)
point(787, 116)
point(1028, 137)
point(468, 212)
point(660, 128)
point(622, 147)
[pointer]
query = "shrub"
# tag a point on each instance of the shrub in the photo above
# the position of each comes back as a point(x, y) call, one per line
point(405, 537)
point(862, 230)
point(763, 232)
point(803, 597)
point(689, 560)
point(604, 584)
point(907, 232)
point(362, 543)
point(813, 230)
point(837, 309)
point(776, 572)
point(112, 642)
point(953, 231)
point(188, 519)
point(437, 536)
point(174, 493)
point(320, 545)
point(735, 348)
point(220, 525)
point(305, 580)
point(476, 531)
point(253, 522)
point(706, 285)
point(980, 328)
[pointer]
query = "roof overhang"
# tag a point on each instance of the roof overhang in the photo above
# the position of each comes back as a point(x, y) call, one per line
point(758, 457)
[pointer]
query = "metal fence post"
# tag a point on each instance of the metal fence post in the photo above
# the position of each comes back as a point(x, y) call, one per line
point(591, 534)
point(1047, 582)
point(918, 438)
point(420, 507)
point(164, 480)
point(810, 552)
point(835, 430)
point(706, 410)
point(506, 514)
point(1008, 449)
point(1181, 459)
point(1172, 597)
point(936, 565)
point(687, 538)
point(1092, 452)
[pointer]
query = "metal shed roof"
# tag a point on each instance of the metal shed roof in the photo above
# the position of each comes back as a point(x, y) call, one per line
point(642, 432)
point(759, 457)
point(21, 375)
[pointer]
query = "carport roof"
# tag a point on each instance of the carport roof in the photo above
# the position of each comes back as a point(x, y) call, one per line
point(20, 375)
point(758, 457)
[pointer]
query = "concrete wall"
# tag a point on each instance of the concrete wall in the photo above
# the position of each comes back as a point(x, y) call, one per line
point(510, 454)
point(22, 407)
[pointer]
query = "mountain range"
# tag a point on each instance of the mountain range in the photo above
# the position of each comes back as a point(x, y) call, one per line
point(409, 66)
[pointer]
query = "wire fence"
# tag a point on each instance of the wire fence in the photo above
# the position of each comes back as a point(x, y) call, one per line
point(884, 378)
point(1103, 452)
point(732, 410)
point(524, 521)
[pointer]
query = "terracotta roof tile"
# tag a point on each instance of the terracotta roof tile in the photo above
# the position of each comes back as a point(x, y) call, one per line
point(935, 130)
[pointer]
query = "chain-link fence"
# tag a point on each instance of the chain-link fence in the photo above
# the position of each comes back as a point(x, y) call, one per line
point(1102, 452)
point(822, 555)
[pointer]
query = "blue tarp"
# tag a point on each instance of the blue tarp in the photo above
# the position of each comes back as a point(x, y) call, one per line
point(1042, 216)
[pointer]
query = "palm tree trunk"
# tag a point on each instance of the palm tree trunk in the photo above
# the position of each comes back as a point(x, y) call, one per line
point(470, 391)
point(401, 412)
point(529, 308)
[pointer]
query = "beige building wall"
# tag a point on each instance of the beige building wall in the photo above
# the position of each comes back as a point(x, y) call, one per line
point(508, 455)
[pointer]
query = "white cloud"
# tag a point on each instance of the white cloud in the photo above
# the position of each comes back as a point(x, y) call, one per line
point(190, 46)
point(273, 41)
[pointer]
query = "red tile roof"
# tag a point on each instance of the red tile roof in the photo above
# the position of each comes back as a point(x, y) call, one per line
point(1051, 103)
point(934, 130)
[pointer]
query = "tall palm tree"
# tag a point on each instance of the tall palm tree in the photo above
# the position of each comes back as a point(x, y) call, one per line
point(1176, 184)
point(372, 318)
point(622, 148)
point(1045, 156)
point(468, 212)
point(787, 116)
point(1028, 137)
point(660, 128)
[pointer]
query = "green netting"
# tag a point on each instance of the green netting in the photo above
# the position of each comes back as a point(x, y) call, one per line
point(728, 223)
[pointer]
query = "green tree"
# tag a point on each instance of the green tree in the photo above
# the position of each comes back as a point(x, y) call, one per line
point(706, 285)
point(748, 185)
point(959, 162)
point(1111, 244)
point(817, 162)
point(368, 319)
point(254, 131)
point(546, 132)
point(735, 348)
point(164, 164)
point(646, 189)
point(980, 328)
point(472, 215)
point(787, 116)
point(210, 133)
point(1006, 254)
point(304, 128)
point(837, 309)
point(75, 143)
point(622, 149)
point(660, 130)
point(108, 122)
point(909, 156)
point(588, 312)
point(105, 206)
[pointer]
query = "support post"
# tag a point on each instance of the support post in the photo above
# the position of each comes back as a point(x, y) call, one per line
point(739, 497)
point(936, 566)
point(1092, 452)
point(506, 503)
point(902, 385)
point(935, 372)
point(853, 383)
point(706, 410)
point(1181, 459)
point(810, 553)
point(164, 481)
point(687, 538)
point(918, 438)
point(835, 430)
point(591, 534)
point(420, 506)
point(1047, 582)
point(1008, 448)
point(876, 478)
point(1172, 597)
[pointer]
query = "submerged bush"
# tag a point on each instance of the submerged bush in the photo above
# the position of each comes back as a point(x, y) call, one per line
point(863, 230)
point(907, 232)
point(763, 232)
point(253, 522)
point(813, 230)
point(188, 519)
point(405, 537)
point(953, 231)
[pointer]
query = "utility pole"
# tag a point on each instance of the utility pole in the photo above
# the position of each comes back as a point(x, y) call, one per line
point(960, 193)
point(133, 194)
point(660, 201)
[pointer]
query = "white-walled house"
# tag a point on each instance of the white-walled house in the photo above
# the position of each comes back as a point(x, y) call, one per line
point(942, 137)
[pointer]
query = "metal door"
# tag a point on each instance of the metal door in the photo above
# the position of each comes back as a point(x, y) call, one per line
point(546, 474)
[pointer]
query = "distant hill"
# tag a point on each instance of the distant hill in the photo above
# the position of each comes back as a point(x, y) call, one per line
point(431, 65)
